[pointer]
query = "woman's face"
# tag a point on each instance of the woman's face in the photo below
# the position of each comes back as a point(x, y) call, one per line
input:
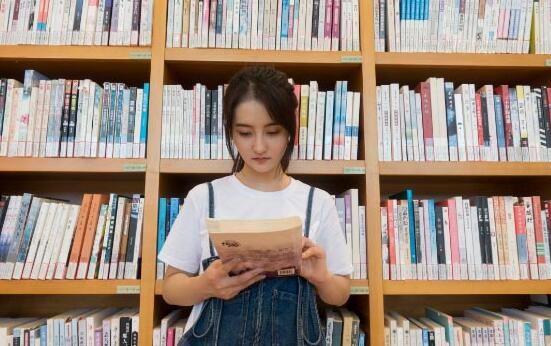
point(260, 141)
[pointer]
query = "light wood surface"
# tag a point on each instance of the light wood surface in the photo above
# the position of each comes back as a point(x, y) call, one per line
point(73, 53)
point(72, 287)
point(467, 169)
point(413, 287)
point(71, 165)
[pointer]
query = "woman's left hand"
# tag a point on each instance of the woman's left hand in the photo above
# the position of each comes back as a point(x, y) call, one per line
point(314, 265)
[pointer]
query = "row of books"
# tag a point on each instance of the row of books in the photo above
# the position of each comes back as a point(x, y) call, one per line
point(99, 326)
point(351, 217)
point(72, 118)
point(76, 22)
point(469, 26)
point(440, 122)
point(42, 238)
point(340, 327)
point(321, 25)
point(477, 326)
point(476, 238)
point(327, 123)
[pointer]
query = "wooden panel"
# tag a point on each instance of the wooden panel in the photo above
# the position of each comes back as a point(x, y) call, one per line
point(244, 56)
point(49, 305)
point(471, 169)
point(355, 284)
point(413, 287)
point(71, 53)
point(133, 73)
point(65, 165)
point(70, 287)
point(415, 305)
point(407, 68)
point(295, 166)
point(302, 72)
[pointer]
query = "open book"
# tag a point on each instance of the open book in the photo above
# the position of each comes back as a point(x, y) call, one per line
point(273, 244)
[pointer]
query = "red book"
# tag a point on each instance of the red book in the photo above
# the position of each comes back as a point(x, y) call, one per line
point(503, 91)
point(424, 89)
point(454, 236)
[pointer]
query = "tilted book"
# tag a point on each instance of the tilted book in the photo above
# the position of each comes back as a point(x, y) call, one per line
point(273, 244)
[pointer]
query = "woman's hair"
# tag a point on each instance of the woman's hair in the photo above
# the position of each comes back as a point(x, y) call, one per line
point(272, 89)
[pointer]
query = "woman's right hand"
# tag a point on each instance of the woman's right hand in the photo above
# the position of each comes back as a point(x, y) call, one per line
point(220, 284)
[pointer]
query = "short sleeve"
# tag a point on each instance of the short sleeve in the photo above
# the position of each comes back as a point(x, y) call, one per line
point(182, 248)
point(330, 237)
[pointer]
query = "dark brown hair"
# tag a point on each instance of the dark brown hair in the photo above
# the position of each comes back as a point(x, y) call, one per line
point(272, 89)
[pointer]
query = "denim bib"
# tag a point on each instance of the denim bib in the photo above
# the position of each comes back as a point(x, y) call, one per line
point(274, 311)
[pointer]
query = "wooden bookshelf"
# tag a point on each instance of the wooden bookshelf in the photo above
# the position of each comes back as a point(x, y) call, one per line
point(365, 70)
point(466, 169)
point(451, 287)
point(457, 60)
point(358, 287)
point(74, 53)
point(70, 287)
point(71, 165)
point(247, 56)
point(295, 167)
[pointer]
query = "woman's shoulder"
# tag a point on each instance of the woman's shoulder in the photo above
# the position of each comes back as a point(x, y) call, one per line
point(319, 194)
point(200, 192)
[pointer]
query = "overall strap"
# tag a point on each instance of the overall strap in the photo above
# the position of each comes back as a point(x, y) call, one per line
point(309, 212)
point(211, 214)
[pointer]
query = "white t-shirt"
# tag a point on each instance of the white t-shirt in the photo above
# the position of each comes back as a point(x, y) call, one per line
point(188, 244)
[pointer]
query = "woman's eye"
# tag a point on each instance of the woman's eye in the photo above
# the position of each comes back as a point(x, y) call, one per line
point(244, 134)
point(273, 133)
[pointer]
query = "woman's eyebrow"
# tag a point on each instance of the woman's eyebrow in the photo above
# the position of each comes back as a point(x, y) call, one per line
point(246, 125)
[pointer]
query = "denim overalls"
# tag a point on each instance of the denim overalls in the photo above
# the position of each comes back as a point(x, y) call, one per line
point(274, 311)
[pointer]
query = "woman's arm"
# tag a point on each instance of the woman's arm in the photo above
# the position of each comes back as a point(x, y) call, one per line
point(184, 289)
point(332, 289)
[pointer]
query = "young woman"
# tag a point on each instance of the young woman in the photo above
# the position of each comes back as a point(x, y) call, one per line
point(247, 308)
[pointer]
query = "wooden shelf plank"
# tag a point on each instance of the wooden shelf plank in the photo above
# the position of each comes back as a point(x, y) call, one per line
point(82, 287)
point(357, 287)
point(295, 167)
point(486, 169)
point(71, 165)
point(81, 53)
point(244, 56)
point(413, 287)
point(516, 61)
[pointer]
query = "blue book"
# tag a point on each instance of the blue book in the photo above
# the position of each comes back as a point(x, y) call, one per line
point(219, 14)
point(29, 229)
point(402, 10)
point(500, 126)
point(145, 113)
point(432, 228)
point(361, 339)
point(342, 120)
point(285, 19)
point(44, 335)
point(451, 122)
point(337, 120)
point(408, 195)
point(444, 320)
point(426, 13)
point(162, 224)
point(174, 209)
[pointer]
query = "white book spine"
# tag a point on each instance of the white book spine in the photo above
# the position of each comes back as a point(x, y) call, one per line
point(320, 118)
point(311, 120)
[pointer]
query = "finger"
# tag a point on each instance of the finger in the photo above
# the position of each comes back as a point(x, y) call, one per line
point(241, 279)
point(227, 267)
point(307, 243)
point(312, 252)
point(252, 280)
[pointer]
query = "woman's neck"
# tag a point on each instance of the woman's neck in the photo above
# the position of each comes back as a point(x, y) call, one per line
point(275, 180)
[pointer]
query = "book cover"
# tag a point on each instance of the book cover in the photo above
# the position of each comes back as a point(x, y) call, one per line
point(272, 244)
